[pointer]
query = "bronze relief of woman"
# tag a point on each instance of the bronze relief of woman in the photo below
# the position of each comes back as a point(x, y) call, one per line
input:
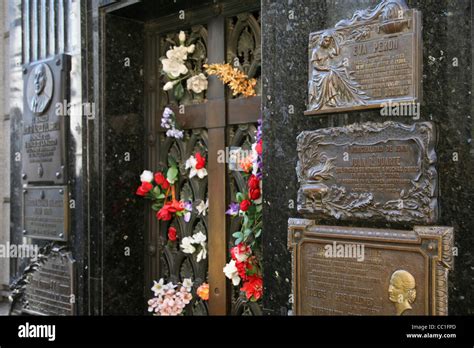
point(331, 85)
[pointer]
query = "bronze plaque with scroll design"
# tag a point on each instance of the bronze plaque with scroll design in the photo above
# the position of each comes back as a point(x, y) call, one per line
point(46, 112)
point(368, 61)
point(384, 171)
point(50, 288)
point(46, 212)
point(365, 271)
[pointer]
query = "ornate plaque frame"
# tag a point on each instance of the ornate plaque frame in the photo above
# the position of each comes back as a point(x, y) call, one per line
point(368, 61)
point(322, 194)
point(434, 243)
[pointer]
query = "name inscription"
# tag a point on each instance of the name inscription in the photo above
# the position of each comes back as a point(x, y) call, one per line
point(50, 290)
point(334, 286)
point(45, 213)
point(393, 272)
point(371, 170)
point(366, 61)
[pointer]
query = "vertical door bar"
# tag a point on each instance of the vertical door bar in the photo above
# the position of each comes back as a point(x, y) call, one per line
point(216, 120)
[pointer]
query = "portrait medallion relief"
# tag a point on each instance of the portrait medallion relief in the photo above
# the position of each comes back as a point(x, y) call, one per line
point(46, 97)
point(40, 89)
point(402, 290)
point(343, 270)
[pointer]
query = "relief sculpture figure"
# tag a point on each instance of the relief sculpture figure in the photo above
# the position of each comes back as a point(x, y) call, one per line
point(331, 85)
point(402, 291)
point(42, 96)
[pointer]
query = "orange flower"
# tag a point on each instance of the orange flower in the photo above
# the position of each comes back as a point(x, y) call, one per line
point(203, 291)
point(238, 82)
point(247, 164)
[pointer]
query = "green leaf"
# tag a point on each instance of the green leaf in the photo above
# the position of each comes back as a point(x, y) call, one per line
point(259, 232)
point(237, 241)
point(160, 196)
point(252, 210)
point(172, 162)
point(156, 206)
point(156, 191)
point(237, 235)
point(240, 197)
point(172, 174)
point(247, 232)
point(259, 208)
point(178, 91)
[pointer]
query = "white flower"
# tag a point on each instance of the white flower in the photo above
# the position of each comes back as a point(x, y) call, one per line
point(182, 36)
point(197, 83)
point(178, 53)
point(187, 284)
point(146, 176)
point(191, 164)
point(199, 238)
point(191, 48)
point(169, 85)
point(168, 286)
point(202, 207)
point(157, 287)
point(202, 253)
point(254, 159)
point(174, 68)
point(187, 245)
point(232, 273)
point(175, 133)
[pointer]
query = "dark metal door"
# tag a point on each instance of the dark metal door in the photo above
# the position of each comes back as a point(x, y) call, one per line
point(225, 32)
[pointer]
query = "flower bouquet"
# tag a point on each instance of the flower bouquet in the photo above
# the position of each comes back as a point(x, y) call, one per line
point(161, 190)
point(245, 266)
point(177, 68)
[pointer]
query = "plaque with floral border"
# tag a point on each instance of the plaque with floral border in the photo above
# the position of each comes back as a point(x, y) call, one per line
point(378, 171)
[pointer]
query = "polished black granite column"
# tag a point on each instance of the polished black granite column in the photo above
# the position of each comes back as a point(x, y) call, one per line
point(447, 101)
point(123, 159)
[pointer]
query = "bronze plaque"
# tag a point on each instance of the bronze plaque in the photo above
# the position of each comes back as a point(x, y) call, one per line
point(368, 61)
point(46, 212)
point(365, 271)
point(383, 171)
point(50, 288)
point(45, 120)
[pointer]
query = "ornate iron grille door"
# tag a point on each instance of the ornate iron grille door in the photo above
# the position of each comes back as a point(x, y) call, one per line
point(224, 32)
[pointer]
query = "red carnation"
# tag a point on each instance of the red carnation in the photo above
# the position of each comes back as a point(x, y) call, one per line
point(254, 194)
point(253, 287)
point(241, 252)
point(200, 161)
point(258, 147)
point(242, 269)
point(172, 234)
point(245, 205)
point(165, 185)
point(144, 188)
point(164, 213)
point(175, 206)
point(161, 180)
point(253, 182)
